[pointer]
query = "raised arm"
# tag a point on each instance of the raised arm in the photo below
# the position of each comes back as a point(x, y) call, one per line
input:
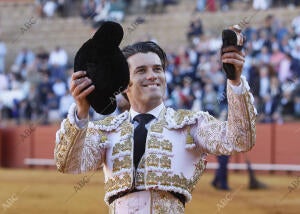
point(237, 134)
point(79, 147)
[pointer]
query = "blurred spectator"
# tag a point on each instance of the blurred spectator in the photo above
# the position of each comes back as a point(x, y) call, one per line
point(264, 55)
point(264, 80)
point(296, 25)
point(276, 57)
point(42, 58)
point(43, 88)
point(2, 56)
point(63, 7)
point(59, 88)
point(65, 102)
point(24, 58)
point(297, 105)
point(284, 70)
point(88, 9)
point(117, 10)
point(261, 4)
point(210, 101)
point(24, 111)
point(201, 5)
point(224, 4)
point(102, 11)
point(287, 105)
point(152, 6)
point(3, 82)
point(58, 62)
point(269, 109)
point(187, 95)
point(195, 28)
point(211, 5)
point(49, 8)
point(52, 112)
point(296, 50)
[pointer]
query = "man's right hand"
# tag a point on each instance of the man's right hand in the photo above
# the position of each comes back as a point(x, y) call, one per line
point(79, 90)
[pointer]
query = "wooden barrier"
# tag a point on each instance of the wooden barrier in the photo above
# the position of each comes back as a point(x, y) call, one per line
point(0, 149)
point(19, 144)
point(275, 144)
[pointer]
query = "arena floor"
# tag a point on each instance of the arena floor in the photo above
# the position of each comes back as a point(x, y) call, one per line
point(48, 192)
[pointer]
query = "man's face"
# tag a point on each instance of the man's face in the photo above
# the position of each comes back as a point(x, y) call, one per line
point(147, 81)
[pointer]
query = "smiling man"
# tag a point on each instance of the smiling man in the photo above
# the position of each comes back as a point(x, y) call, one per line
point(152, 156)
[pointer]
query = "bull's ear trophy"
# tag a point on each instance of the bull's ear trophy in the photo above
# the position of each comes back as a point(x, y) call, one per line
point(232, 37)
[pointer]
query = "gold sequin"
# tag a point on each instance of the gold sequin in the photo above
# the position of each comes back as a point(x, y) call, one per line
point(126, 128)
point(122, 147)
point(122, 163)
point(118, 182)
point(152, 160)
point(181, 114)
point(189, 137)
point(165, 162)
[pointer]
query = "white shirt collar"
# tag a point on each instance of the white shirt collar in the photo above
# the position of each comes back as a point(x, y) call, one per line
point(155, 112)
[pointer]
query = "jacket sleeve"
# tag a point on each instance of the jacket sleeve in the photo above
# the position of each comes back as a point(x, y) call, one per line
point(77, 149)
point(237, 134)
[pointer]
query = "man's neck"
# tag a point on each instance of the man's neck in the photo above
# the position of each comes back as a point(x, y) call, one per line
point(144, 109)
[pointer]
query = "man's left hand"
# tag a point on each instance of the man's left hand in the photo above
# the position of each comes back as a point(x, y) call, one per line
point(233, 56)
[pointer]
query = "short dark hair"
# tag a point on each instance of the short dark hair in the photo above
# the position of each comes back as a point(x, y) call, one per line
point(145, 47)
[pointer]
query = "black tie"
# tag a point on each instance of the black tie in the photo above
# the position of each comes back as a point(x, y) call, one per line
point(140, 134)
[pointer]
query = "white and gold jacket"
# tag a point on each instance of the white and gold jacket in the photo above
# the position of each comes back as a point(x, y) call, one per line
point(176, 146)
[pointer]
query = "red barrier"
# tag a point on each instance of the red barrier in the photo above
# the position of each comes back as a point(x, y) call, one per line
point(287, 143)
point(261, 152)
point(275, 144)
point(0, 148)
point(20, 143)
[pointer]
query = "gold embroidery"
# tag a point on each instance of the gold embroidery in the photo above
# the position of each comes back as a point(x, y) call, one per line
point(139, 180)
point(153, 143)
point(124, 163)
point(126, 128)
point(166, 145)
point(199, 168)
point(118, 182)
point(62, 149)
point(165, 162)
point(165, 179)
point(181, 114)
point(103, 138)
point(122, 147)
point(165, 202)
point(176, 180)
point(189, 138)
point(106, 121)
point(152, 160)
point(158, 126)
point(151, 178)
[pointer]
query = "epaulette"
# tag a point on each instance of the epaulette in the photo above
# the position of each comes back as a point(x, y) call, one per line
point(110, 123)
point(180, 118)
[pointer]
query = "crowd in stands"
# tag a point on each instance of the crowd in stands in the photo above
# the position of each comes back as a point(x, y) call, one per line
point(36, 86)
point(225, 5)
point(272, 67)
point(98, 11)
point(49, 8)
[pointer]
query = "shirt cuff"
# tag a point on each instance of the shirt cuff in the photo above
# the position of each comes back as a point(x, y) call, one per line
point(81, 123)
point(237, 89)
